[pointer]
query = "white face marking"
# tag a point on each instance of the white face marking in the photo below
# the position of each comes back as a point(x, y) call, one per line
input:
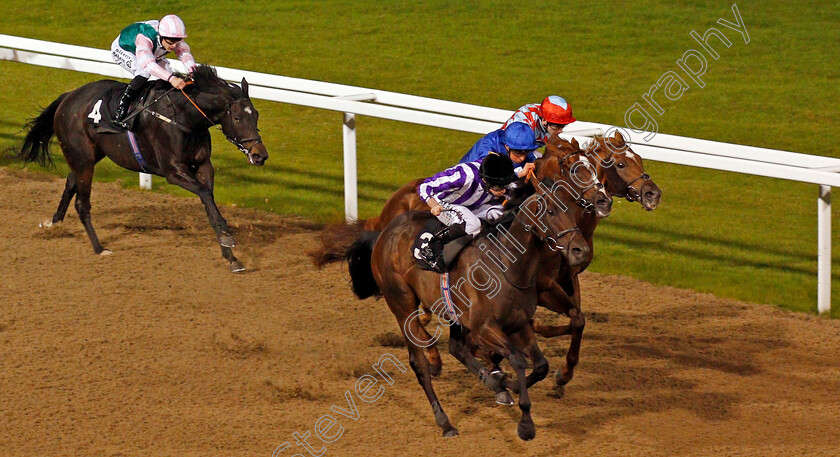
point(248, 110)
point(629, 154)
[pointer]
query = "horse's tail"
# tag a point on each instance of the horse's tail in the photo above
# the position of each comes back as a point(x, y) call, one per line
point(358, 260)
point(36, 146)
point(336, 240)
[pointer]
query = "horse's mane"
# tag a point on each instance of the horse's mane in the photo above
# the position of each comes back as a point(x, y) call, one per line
point(207, 80)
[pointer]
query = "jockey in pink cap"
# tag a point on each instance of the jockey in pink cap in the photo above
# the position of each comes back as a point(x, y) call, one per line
point(141, 49)
point(547, 118)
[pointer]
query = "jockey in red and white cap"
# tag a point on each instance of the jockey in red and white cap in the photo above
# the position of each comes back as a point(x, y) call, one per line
point(141, 49)
point(547, 118)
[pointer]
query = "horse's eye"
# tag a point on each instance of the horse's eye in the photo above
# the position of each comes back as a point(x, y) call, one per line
point(620, 165)
point(236, 118)
point(550, 212)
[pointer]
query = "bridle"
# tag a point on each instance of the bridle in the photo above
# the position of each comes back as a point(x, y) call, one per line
point(238, 142)
point(587, 205)
point(630, 192)
point(551, 241)
point(235, 140)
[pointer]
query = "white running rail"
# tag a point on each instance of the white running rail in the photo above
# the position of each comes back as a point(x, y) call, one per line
point(352, 100)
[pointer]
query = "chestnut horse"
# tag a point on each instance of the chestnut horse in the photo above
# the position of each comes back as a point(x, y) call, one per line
point(494, 309)
point(623, 174)
point(173, 139)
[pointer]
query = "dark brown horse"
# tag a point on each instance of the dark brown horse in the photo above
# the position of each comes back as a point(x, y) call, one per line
point(172, 135)
point(494, 291)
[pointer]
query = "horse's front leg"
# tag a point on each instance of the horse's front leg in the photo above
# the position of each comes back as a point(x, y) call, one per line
point(206, 175)
point(183, 177)
point(555, 298)
point(577, 323)
point(494, 379)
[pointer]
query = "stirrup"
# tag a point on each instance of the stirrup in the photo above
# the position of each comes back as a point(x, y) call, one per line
point(430, 257)
point(121, 123)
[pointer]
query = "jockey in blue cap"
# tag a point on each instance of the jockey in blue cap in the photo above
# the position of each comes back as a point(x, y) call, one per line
point(517, 141)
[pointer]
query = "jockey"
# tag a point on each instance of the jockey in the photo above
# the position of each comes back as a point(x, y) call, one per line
point(141, 49)
point(516, 142)
point(547, 118)
point(463, 195)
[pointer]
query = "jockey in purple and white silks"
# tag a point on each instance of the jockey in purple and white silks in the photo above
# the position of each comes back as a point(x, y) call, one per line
point(468, 192)
point(141, 50)
point(546, 119)
point(463, 195)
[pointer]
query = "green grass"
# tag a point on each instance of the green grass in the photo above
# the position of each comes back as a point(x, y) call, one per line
point(733, 235)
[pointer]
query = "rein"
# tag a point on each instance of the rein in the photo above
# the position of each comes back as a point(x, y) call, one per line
point(234, 140)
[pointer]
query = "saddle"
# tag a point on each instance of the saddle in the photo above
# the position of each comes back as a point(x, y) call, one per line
point(103, 110)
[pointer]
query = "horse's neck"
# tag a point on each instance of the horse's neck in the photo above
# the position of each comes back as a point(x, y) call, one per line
point(203, 113)
point(587, 224)
point(519, 254)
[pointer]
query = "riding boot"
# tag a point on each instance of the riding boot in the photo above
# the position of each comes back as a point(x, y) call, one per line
point(132, 90)
point(433, 252)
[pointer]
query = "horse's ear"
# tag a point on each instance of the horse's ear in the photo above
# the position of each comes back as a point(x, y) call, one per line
point(575, 143)
point(618, 139)
point(245, 87)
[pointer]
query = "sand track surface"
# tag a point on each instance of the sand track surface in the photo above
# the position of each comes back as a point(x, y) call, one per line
point(157, 350)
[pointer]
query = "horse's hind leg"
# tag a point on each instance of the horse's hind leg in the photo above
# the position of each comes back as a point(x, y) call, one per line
point(66, 197)
point(402, 303)
point(84, 181)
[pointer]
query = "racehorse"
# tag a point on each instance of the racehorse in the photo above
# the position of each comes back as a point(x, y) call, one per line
point(623, 174)
point(172, 135)
point(496, 321)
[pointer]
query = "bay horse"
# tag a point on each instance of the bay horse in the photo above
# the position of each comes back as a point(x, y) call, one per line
point(172, 135)
point(499, 321)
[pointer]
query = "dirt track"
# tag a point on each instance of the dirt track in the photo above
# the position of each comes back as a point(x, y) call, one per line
point(158, 350)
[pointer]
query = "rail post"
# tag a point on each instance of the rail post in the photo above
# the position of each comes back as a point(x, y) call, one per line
point(824, 250)
point(351, 184)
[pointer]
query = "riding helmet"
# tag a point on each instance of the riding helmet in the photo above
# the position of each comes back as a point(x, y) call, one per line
point(556, 109)
point(497, 170)
point(519, 135)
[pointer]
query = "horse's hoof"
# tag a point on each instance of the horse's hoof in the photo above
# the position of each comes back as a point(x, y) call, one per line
point(46, 224)
point(558, 392)
point(560, 379)
point(105, 252)
point(504, 398)
point(526, 430)
point(450, 432)
point(227, 241)
point(236, 267)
